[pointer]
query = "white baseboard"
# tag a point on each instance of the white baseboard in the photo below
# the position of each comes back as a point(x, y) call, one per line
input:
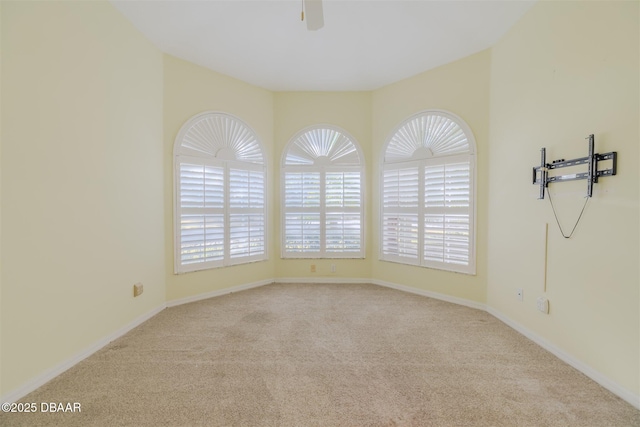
point(605, 382)
point(430, 294)
point(219, 292)
point(48, 375)
point(323, 279)
point(596, 376)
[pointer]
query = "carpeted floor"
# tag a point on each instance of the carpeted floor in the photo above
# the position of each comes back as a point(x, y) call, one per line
point(325, 355)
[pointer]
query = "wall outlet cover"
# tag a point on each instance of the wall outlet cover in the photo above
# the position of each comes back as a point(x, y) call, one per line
point(543, 305)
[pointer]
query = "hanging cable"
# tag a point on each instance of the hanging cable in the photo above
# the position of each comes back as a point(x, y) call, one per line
point(558, 221)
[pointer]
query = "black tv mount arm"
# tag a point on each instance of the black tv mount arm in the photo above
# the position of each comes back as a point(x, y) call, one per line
point(592, 174)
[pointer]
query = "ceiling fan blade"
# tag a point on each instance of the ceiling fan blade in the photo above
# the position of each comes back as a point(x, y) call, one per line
point(314, 14)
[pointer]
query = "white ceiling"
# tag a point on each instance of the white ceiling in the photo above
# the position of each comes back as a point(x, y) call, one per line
point(365, 44)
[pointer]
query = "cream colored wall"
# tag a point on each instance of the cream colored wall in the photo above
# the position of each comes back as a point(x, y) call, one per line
point(566, 70)
point(461, 87)
point(86, 101)
point(188, 90)
point(82, 181)
point(295, 111)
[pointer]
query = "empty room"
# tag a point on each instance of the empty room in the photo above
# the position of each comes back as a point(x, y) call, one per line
point(320, 213)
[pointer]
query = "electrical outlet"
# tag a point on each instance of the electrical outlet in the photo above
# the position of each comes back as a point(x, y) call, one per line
point(313, 268)
point(519, 294)
point(137, 289)
point(333, 268)
point(543, 305)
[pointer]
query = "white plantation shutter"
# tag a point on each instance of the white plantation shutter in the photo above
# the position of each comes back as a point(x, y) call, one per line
point(220, 209)
point(202, 219)
point(302, 190)
point(400, 188)
point(246, 213)
point(447, 198)
point(428, 194)
point(343, 233)
point(343, 207)
point(322, 190)
point(302, 212)
point(302, 233)
point(400, 238)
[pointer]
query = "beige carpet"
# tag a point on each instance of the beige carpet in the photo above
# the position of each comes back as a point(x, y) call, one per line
point(325, 355)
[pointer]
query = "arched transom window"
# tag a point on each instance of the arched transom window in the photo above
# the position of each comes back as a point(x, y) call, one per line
point(220, 188)
point(427, 193)
point(322, 203)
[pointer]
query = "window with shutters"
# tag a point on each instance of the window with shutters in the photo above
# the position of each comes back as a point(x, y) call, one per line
point(220, 189)
point(322, 202)
point(427, 194)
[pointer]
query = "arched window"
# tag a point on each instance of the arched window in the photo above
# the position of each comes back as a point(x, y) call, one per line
point(322, 203)
point(428, 192)
point(219, 195)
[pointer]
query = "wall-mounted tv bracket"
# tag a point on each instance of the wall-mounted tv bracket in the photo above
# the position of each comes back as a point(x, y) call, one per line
point(591, 175)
